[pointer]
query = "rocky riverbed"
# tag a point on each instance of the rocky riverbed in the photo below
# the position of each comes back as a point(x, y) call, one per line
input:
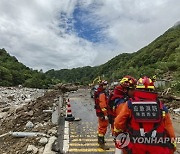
point(27, 112)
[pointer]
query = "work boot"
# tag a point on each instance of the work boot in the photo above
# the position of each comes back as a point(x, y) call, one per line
point(101, 143)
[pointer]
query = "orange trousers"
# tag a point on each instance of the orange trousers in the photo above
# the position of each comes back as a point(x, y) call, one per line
point(102, 126)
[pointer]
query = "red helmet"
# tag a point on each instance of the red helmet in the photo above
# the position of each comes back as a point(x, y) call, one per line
point(128, 82)
point(145, 83)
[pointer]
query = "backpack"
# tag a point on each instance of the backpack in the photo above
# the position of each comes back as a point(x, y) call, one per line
point(99, 112)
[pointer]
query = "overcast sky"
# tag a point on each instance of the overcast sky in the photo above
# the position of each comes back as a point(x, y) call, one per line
point(71, 33)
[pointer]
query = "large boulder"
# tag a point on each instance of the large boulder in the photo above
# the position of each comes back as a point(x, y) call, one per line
point(66, 87)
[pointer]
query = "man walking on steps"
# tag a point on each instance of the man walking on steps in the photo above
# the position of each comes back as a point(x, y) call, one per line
point(101, 98)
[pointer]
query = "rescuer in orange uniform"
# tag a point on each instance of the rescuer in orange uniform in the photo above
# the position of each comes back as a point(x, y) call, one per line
point(101, 98)
point(146, 117)
point(121, 94)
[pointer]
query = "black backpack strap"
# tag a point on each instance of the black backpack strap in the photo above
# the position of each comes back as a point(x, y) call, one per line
point(118, 101)
point(129, 104)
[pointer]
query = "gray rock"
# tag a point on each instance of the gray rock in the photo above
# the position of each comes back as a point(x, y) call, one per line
point(2, 115)
point(38, 125)
point(25, 108)
point(30, 113)
point(43, 141)
point(48, 147)
point(176, 111)
point(55, 117)
point(29, 125)
point(41, 150)
point(5, 109)
point(52, 131)
point(55, 146)
point(45, 124)
point(32, 148)
point(27, 100)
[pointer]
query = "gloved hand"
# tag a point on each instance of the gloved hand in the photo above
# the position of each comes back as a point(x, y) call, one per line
point(105, 118)
point(116, 132)
point(174, 147)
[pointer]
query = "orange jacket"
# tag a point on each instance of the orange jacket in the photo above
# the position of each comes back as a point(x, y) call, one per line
point(119, 108)
point(125, 114)
point(103, 103)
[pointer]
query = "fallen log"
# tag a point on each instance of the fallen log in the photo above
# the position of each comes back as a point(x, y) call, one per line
point(27, 134)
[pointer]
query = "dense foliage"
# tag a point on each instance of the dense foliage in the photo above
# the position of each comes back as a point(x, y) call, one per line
point(14, 73)
point(160, 57)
